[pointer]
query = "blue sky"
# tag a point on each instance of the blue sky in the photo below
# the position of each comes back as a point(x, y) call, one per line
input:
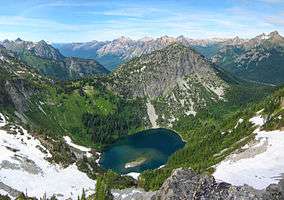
point(86, 20)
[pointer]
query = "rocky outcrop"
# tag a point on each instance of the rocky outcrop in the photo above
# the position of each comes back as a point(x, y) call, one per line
point(19, 91)
point(187, 184)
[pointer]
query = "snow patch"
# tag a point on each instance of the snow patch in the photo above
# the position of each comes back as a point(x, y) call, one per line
point(259, 163)
point(134, 175)
point(24, 168)
point(79, 147)
point(239, 122)
point(257, 120)
point(152, 114)
point(2, 120)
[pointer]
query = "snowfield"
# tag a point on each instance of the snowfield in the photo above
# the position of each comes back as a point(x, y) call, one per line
point(86, 150)
point(24, 168)
point(259, 164)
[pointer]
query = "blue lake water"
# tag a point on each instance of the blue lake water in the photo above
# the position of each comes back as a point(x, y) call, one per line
point(153, 145)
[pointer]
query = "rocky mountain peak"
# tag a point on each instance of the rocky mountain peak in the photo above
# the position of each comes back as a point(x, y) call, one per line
point(176, 73)
point(166, 39)
point(42, 42)
point(274, 34)
point(146, 39)
point(156, 73)
point(236, 41)
point(18, 40)
point(123, 39)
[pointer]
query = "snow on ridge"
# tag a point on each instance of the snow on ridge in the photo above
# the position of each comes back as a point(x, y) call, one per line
point(2, 120)
point(153, 117)
point(24, 168)
point(259, 164)
point(239, 122)
point(134, 175)
point(257, 120)
point(76, 146)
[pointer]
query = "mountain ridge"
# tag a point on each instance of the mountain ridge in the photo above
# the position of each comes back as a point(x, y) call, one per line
point(252, 59)
point(49, 61)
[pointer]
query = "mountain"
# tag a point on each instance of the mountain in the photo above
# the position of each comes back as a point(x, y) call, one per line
point(49, 61)
point(259, 59)
point(113, 53)
point(177, 81)
point(41, 48)
point(174, 87)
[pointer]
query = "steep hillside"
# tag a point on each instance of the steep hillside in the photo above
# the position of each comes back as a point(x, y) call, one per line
point(37, 113)
point(49, 61)
point(259, 59)
point(177, 81)
point(230, 139)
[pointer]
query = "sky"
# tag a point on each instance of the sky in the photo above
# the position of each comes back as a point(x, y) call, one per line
point(87, 20)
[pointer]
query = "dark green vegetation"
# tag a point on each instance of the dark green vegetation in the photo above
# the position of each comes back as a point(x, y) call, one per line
point(87, 111)
point(213, 133)
point(145, 150)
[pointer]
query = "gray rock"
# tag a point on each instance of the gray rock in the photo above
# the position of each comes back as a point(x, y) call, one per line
point(187, 184)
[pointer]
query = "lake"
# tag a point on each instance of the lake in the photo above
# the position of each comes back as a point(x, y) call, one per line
point(144, 150)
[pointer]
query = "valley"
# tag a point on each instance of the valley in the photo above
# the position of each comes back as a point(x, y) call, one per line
point(164, 109)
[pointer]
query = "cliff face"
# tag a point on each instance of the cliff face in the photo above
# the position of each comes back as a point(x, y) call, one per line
point(187, 184)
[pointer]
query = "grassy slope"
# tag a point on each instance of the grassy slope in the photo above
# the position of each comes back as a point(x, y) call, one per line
point(65, 107)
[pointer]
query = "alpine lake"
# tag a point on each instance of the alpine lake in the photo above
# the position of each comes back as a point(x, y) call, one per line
point(144, 150)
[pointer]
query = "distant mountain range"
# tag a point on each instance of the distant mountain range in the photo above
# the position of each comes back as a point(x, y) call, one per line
point(249, 59)
point(112, 53)
point(260, 59)
point(49, 61)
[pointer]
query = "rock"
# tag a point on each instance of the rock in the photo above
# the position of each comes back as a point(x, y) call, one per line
point(131, 194)
point(187, 184)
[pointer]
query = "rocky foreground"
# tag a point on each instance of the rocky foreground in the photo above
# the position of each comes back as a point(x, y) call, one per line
point(187, 184)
